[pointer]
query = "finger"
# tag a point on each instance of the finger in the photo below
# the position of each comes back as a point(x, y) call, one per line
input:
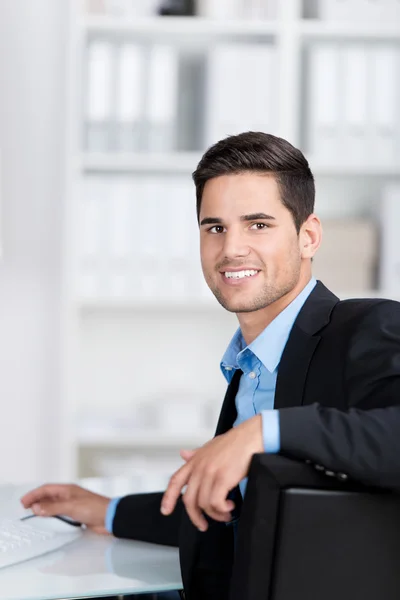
point(47, 508)
point(205, 500)
point(178, 480)
point(187, 454)
point(204, 493)
point(190, 500)
point(219, 502)
point(43, 492)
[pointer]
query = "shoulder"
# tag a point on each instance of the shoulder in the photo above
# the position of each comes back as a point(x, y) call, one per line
point(370, 313)
point(366, 309)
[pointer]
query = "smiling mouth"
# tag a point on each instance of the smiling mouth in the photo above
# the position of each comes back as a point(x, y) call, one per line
point(240, 274)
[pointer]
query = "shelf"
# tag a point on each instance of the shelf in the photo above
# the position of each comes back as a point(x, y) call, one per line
point(238, 28)
point(138, 439)
point(178, 26)
point(355, 170)
point(316, 29)
point(186, 163)
point(114, 162)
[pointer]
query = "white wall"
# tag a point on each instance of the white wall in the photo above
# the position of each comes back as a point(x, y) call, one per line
point(32, 80)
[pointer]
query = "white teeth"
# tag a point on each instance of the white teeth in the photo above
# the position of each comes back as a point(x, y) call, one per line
point(240, 274)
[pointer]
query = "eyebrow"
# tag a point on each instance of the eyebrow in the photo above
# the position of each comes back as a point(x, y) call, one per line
point(251, 217)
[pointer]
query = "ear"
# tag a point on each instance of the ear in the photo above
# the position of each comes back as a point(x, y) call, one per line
point(310, 236)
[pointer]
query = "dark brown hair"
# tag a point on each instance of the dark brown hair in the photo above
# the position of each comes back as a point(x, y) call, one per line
point(261, 153)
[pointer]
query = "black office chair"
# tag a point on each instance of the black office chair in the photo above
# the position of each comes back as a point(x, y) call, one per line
point(306, 536)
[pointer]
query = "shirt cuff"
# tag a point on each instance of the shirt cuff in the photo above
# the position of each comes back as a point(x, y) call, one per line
point(271, 431)
point(110, 514)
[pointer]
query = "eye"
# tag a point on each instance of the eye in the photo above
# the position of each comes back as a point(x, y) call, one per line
point(259, 226)
point(216, 229)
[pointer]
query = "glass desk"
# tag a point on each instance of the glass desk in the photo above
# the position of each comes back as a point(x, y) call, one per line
point(90, 567)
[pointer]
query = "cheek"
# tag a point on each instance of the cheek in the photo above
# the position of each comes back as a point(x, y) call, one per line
point(206, 255)
point(208, 249)
point(278, 254)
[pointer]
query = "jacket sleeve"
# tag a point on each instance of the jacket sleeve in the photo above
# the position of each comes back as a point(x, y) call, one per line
point(372, 360)
point(138, 517)
point(365, 445)
point(363, 442)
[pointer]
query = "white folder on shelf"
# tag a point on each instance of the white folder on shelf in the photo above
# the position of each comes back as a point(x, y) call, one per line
point(100, 63)
point(369, 10)
point(177, 214)
point(240, 103)
point(117, 7)
point(385, 102)
point(352, 10)
point(390, 240)
point(143, 8)
point(334, 10)
point(162, 98)
point(255, 9)
point(221, 9)
point(323, 121)
point(260, 9)
point(120, 237)
point(90, 240)
point(129, 98)
point(354, 95)
point(148, 232)
point(391, 9)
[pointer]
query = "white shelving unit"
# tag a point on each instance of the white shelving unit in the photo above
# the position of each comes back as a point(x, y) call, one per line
point(289, 34)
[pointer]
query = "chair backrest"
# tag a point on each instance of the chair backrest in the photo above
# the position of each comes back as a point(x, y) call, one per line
point(304, 536)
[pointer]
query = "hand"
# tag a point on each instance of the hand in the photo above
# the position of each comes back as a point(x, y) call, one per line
point(71, 501)
point(212, 471)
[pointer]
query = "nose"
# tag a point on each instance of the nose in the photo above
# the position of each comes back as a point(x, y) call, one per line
point(235, 244)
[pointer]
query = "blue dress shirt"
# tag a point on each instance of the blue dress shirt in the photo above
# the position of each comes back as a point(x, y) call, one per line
point(259, 362)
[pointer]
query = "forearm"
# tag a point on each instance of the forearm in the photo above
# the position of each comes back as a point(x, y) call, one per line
point(363, 444)
point(138, 517)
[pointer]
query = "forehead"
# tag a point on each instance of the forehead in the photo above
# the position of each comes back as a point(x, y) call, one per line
point(241, 193)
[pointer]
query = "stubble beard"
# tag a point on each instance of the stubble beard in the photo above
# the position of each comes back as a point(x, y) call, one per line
point(265, 297)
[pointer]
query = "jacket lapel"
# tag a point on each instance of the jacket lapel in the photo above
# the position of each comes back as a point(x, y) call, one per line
point(228, 412)
point(293, 368)
point(301, 345)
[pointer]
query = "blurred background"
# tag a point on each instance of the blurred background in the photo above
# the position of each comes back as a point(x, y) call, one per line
point(110, 341)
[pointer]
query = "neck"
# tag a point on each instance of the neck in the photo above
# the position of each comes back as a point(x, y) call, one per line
point(253, 323)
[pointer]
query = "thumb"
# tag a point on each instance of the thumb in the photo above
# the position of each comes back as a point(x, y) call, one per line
point(187, 454)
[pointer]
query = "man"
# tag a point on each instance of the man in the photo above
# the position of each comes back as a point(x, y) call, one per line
point(302, 368)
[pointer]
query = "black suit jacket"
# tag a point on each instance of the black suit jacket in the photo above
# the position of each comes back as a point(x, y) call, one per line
point(340, 356)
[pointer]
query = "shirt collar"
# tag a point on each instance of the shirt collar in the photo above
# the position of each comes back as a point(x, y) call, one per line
point(269, 345)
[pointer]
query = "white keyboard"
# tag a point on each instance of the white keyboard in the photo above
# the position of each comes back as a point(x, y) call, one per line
point(22, 540)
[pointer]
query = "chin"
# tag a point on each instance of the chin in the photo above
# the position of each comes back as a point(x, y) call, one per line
point(237, 306)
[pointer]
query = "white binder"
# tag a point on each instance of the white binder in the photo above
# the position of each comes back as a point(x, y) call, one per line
point(129, 98)
point(120, 236)
point(149, 233)
point(354, 92)
point(385, 102)
point(221, 9)
point(369, 10)
point(161, 102)
point(240, 103)
point(323, 121)
point(91, 239)
point(334, 10)
point(99, 101)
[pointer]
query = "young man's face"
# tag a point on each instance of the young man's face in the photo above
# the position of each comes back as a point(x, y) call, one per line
point(250, 250)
